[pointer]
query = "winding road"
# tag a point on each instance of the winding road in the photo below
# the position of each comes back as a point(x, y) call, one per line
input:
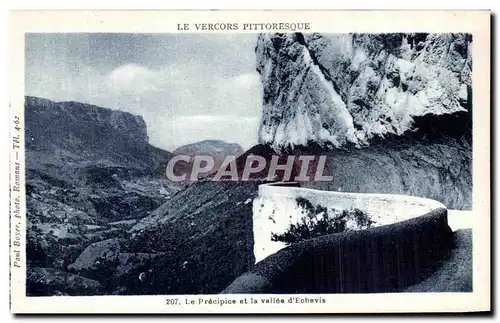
point(411, 243)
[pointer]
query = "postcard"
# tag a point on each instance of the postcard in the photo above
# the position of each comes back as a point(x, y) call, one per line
point(249, 161)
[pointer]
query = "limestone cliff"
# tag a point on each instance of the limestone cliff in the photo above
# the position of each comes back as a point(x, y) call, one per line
point(348, 89)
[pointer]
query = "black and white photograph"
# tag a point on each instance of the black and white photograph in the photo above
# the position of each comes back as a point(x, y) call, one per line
point(294, 164)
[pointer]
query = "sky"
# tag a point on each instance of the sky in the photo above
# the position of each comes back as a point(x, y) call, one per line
point(186, 87)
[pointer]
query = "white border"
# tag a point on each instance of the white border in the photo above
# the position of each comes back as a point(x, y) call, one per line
point(476, 22)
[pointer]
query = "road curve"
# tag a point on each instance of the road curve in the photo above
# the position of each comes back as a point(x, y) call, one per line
point(386, 258)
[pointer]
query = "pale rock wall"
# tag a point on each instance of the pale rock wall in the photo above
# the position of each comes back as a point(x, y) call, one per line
point(347, 89)
point(276, 208)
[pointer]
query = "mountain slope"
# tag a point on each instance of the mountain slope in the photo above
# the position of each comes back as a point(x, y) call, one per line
point(90, 175)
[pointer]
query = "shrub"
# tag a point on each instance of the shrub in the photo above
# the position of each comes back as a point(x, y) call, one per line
point(317, 221)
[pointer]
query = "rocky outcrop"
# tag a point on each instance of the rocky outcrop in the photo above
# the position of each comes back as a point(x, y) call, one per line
point(75, 125)
point(439, 169)
point(393, 112)
point(76, 142)
point(50, 281)
point(217, 149)
point(210, 147)
point(348, 89)
point(96, 256)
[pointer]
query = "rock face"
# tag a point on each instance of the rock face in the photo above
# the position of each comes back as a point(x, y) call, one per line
point(217, 149)
point(210, 147)
point(87, 141)
point(349, 89)
point(81, 125)
point(439, 170)
point(392, 112)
